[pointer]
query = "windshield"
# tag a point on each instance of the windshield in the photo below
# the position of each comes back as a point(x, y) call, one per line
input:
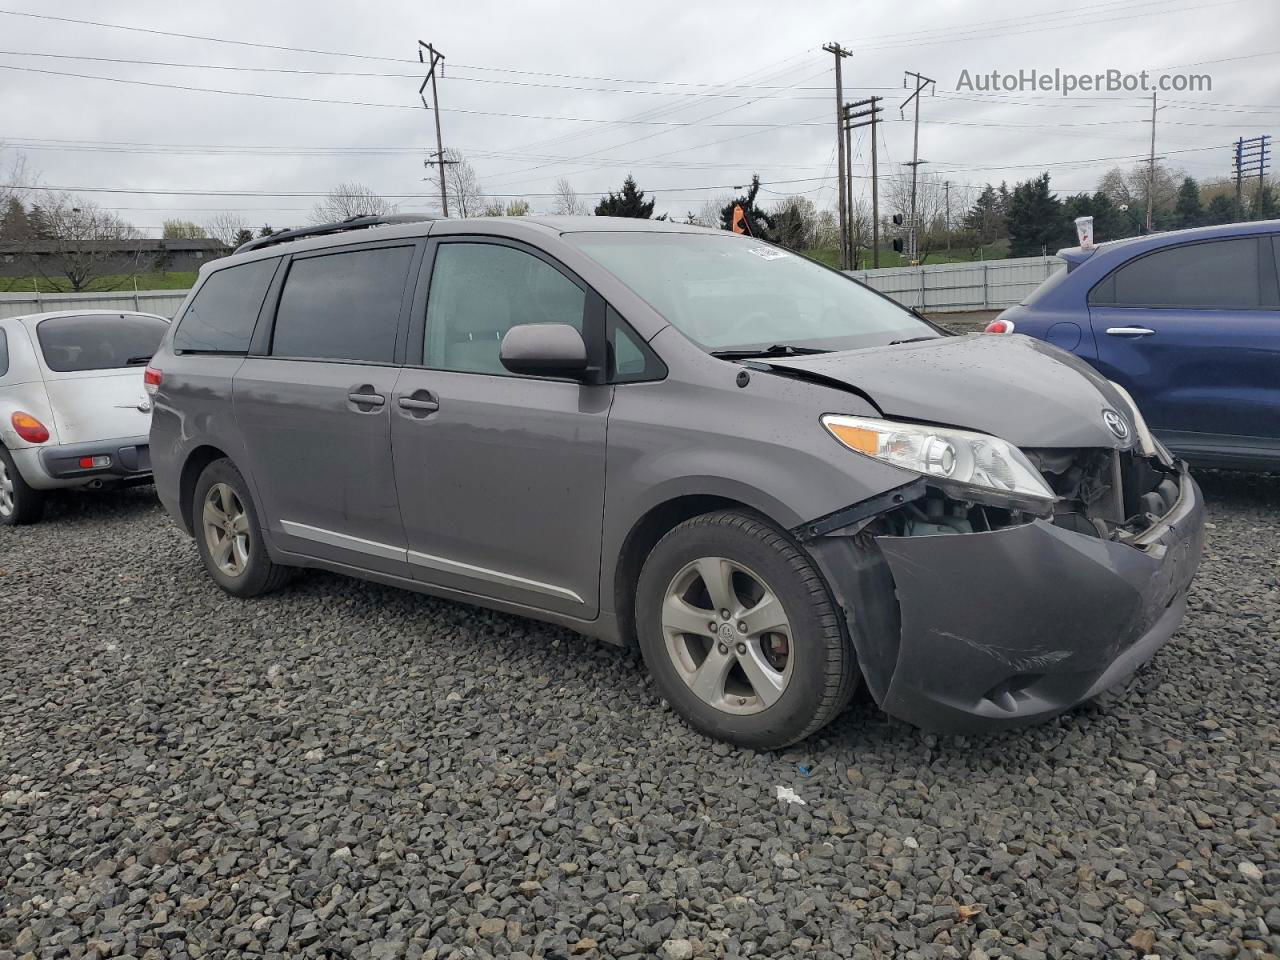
point(729, 293)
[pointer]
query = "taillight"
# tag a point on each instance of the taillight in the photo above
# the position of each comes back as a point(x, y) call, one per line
point(151, 378)
point(29, 428)
point(999, 326)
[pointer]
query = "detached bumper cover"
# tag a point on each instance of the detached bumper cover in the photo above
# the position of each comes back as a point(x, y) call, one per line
point(130, 458)
point(1012, 626)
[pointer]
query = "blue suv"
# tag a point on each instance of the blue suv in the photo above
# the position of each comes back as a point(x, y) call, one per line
point(1188, 322)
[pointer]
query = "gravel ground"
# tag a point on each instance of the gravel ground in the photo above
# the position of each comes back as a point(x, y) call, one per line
point(347, 770)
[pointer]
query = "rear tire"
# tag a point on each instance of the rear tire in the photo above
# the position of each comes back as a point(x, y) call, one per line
point(20, 503)
point(740, 633)
point(229, 534)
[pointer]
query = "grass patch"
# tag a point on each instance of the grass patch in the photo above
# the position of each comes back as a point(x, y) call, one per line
point(183, 280)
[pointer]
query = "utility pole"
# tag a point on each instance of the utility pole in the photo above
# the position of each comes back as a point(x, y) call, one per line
point(869, 109)
point(1151, 168)
point(840, 53)
point(437, 59)
point(947, 221)
point(921, 83)
point(1252, 155)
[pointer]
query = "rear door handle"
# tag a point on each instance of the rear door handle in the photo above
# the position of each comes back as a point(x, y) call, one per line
point(1129, 332)
point(428, 406)
point(368, 399)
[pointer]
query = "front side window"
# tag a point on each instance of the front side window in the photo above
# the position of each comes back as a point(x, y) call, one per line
point(99, 341)
point(222, 315)
point(4, 353)
point(343, 306)
point(1221, 274)
point(726, 292)
point(479, 291)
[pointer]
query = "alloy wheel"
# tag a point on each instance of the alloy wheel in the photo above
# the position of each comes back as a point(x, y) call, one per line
point(6, 491)
point(728, 635)
point(226, 529)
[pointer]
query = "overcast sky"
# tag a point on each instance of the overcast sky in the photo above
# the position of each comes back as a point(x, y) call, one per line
point(690, 98)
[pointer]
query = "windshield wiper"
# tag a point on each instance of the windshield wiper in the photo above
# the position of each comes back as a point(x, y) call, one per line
point(137, 361)
point(776, 350)
point(894, 343)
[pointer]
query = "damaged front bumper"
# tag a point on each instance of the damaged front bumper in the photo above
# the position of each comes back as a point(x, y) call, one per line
point(1011, 625)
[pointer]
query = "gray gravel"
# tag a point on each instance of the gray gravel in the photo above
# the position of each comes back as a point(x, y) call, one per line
point(347, 770)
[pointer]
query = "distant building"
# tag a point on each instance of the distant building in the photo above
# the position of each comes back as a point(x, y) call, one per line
point(36, 257)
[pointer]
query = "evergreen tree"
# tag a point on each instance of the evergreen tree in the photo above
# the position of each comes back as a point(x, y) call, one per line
point(266, 230)
point(1221, 209)
point(1187, 210)
point(629, 203)
point(1036, 223)
point(1264, 204)
point(760, 222)
point(984, 220)
point(14, 223)
point(1108, 222)
point(243, 237)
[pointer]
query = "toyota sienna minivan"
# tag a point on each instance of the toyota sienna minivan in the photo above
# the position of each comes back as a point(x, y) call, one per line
point(775, 481)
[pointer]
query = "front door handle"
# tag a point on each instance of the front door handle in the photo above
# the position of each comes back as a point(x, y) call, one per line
point(1129, 332)
point(367, 399)
point(409, 403)
point(419, 404)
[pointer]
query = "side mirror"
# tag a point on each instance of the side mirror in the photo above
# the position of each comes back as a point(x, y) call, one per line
point(544, 350)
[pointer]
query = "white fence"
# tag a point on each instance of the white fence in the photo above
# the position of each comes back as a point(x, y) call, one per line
point(957, 287)
point(933, 288)
point(162, 302)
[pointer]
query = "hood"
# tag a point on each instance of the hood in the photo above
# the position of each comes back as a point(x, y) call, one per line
point(1022, 390)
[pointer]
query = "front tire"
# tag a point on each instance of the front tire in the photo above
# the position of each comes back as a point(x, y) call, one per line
point(20, 503)
point(229, 534)
point(740, 633)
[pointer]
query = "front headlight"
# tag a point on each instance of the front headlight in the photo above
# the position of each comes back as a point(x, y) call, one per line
point(974, 459)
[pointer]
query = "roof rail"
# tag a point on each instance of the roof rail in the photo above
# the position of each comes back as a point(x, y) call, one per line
point(351, 223)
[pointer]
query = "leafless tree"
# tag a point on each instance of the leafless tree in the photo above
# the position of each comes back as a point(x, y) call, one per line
point(567, 201)
point(80, 242)
point(350, 199)
point(1130, 187)
point(16, 177)
point(225, 227)
point(466, 199)
point(709, 215)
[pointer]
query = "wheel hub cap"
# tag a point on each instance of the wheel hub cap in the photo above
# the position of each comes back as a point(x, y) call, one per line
point(226, 529)
point(727, 635)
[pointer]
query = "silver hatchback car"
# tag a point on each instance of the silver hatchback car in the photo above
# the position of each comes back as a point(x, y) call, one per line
point(775, 481)
point(73, 411)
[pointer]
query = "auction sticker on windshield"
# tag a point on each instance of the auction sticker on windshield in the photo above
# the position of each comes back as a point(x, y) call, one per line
point(766, 253)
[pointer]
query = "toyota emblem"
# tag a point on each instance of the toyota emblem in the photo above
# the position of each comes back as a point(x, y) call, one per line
point(1115, 423)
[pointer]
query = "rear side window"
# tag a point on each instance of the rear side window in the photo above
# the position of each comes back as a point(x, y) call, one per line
point(4, 353)
point(224, 311)
point(99, 341)
point(343, 306)
point(1219, 274)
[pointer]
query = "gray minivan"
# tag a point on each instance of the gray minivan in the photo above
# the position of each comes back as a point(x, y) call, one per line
point(774, 480)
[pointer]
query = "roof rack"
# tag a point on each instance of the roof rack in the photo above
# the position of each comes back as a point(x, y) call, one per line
point(351, 223)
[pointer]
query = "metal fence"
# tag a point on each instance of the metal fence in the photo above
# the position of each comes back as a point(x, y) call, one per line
point(936, 288)
point(958, 287)
point(162, 302)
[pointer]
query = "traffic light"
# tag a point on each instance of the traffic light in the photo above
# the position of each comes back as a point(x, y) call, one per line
point(897, 245)
point(897, 220)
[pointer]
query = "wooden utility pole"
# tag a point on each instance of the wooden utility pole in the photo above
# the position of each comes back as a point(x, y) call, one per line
point(1151, 167)
point(921, 83)
point(437, 58)
point(867, 113)
point(1252, 156)
point(947, 215)
point(840, 53)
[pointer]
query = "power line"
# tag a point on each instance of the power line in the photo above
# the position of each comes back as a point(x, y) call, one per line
point(366, 103)
point(453, 75)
